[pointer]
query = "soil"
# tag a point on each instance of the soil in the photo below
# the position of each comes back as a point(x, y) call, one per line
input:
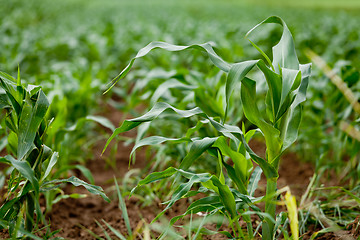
point(76, 218)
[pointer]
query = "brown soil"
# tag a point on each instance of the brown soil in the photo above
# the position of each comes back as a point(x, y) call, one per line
point(76, 217)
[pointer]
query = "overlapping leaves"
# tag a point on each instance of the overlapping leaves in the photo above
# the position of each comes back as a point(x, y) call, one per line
point(278, 121)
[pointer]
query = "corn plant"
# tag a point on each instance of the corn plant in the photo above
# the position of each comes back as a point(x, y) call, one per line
point(30, 159)
point(287, 81)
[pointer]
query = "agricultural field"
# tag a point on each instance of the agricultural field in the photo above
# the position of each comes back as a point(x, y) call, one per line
point(179, 119)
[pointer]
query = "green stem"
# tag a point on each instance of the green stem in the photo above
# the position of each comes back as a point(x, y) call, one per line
point(270, 207)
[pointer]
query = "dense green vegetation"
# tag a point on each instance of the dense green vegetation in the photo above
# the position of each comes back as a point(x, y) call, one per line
point(197, 109)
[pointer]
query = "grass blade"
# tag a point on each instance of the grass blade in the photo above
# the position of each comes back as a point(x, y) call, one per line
point(116, 232)
point(104, 231)
point(123, 209)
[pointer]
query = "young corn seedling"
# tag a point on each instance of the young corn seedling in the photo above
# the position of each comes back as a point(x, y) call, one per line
point(287, 82)
point(30, 159)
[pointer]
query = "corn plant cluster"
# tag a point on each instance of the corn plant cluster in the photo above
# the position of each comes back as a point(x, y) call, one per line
point(231, 190)
point(32, 162)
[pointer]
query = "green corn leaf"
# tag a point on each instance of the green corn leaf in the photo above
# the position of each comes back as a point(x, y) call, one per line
point(179, 192)
point(291, 123)
point(8, 206)
point(149, 116)
point(170, 47)
point(291, 80)
point(18, 77)
point(235, 178)
point(9, 86)
point(248, 97)
point(154, 140)
point(238, 173)
point(4, 103)
point(102, 121)
point(240, 162)
point(206, 204)
point(248, 136)
point(231, 132)
point(207, 103)
point(192, 130)
point(32, 89)
point(156, 176)
point(78, 182)
point(284, 54)
point(165, 86)
point(254, 180)
point(271, 134)
point(197, 148)
point(24, 169)
point(262, 53)
point(183, 189)
point(221, 162)
point(226, 130)
point(275, 87)
point(190, 175)
point(8, 78)
point(11, 123)
point(237, 72)
point(30, 120)
point(226, 197)
point(141, 131)
point(98, 119)
point(160, 107)
point(86, 172)
point(52, 162)
point(247, 199)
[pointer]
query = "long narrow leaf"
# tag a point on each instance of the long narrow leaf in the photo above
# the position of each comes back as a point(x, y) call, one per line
point(149, 116)
point(254, 180)
point(30, 119)
point(24, 169)
point(78, 182)
point(123, 209)
point(284, 54)
point(170, 47)
point(197, 148)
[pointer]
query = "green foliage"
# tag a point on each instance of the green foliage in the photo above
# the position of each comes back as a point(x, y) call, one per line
point(30, 159)
point(72, 53)
point(279, 123)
